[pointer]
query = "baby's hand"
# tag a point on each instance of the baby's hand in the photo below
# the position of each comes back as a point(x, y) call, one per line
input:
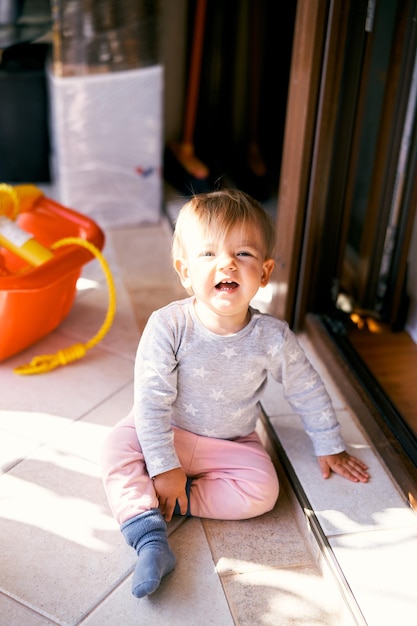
point(345, 465)
point(170, 487)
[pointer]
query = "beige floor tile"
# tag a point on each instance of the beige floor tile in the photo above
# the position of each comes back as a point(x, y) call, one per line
point(21, 433)
point(93, 269)
point(340, 505)
point(284, 597)
point(144, 256)
point(89, 312)
point(61, 550)
point(13, 449)
point(69, 391)
point(271, 540)
point(147, 271)
point(85, 437)
point(14, 614)
point(191, 595)
point(380, 567)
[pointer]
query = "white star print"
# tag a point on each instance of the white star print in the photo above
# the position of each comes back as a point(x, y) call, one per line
point(216, 394)
point(237, 414)
point(328, 413)
point(190, 409)
point(273, 350)
point(158, 462)
point(310, 384)
point(293, 356)
point(229, 352)
point(201, 372)
point(250, 375)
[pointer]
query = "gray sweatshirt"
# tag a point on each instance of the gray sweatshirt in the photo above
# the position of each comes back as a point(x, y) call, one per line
point(211, 385)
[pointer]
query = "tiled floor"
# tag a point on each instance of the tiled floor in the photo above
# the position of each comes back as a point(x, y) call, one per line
point(63, 559)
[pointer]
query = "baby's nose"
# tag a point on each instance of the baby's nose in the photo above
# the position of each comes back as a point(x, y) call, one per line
point(227, 261)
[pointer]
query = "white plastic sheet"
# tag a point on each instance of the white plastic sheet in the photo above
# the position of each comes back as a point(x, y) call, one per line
point(106, 136)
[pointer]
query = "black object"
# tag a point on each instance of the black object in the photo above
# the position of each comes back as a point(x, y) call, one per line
point(24, 132)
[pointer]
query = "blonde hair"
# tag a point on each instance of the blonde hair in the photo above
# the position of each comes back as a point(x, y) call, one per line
point(219, 211)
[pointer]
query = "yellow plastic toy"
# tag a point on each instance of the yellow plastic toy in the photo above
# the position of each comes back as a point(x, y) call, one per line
point(22, 243)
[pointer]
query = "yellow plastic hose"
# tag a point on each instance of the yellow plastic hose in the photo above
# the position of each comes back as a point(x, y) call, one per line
point(17, 199)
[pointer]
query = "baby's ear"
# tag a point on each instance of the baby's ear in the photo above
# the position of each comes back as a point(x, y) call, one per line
point(267, 268)
point(181, 268)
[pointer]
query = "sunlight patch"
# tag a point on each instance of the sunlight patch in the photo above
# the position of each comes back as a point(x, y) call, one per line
point(85, 284)
point(265, 294)
point(66, 515)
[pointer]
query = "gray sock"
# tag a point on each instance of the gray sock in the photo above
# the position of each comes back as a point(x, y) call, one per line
point(147, 534)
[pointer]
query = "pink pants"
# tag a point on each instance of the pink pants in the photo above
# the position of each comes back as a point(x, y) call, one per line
point(230, 479)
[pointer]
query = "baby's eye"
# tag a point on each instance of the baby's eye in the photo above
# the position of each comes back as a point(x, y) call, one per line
point(207, 253)
point(244, 253)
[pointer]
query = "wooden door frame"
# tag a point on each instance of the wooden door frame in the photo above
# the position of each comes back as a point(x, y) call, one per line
point(303, 91)
point(313, 102)
point(308, 231)
point(319, 251)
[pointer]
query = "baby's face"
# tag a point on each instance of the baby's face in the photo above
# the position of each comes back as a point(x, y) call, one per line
point(224, 273)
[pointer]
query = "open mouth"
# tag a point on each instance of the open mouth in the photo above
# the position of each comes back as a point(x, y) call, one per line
point(227, 285)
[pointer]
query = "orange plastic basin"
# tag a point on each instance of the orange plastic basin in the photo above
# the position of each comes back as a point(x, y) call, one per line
point(35, 300)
